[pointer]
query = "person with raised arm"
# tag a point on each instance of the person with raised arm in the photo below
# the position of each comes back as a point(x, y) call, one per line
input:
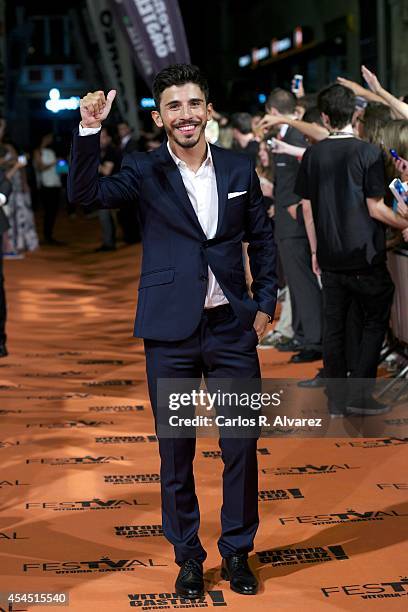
point(197, 204)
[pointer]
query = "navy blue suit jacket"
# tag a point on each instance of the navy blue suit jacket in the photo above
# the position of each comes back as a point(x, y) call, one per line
point(176, 252)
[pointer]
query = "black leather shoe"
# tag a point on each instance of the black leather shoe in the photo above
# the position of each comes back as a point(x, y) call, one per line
point(236, 569)
point(3, 350)
point(313, 383)
point(306, 356)
point(190, 580)
point(288, 347)
point(367, 407)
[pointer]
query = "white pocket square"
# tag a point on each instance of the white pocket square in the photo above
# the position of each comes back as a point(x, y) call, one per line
point(235, 194)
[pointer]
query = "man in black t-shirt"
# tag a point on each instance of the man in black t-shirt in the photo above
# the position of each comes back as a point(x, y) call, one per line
point(341, 182)
point(305, 293)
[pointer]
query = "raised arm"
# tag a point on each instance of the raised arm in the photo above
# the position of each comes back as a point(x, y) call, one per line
point(85, 186)
point(310, 130)
point(359, 90)
point(399, 107)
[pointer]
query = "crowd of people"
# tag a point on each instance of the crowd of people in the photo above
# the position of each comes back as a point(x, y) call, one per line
point(324, 163)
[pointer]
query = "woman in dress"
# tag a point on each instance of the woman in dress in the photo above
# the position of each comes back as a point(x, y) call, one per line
point(22, 235)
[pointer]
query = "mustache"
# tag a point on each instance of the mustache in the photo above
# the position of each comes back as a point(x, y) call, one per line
point(187, 123)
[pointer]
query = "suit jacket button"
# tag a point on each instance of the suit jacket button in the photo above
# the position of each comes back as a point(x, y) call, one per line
point(203, 277)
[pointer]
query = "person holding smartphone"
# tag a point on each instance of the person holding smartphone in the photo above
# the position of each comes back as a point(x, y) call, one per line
point(342, 185)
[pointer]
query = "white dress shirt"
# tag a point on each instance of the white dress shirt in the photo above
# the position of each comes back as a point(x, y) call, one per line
point(201, 187)
point(83, 131)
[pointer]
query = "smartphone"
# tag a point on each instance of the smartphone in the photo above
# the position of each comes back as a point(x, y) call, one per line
point(272, 143)
point(297, 83)
point(22, 159)
point(400, 192)
point(394, 154)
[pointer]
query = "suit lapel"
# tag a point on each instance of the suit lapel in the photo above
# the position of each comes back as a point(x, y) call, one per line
point(178, 192)
point(222, 177)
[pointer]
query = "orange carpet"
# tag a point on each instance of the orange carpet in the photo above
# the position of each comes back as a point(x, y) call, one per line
point(79, 489)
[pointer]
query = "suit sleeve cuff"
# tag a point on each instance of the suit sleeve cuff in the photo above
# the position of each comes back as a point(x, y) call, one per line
point(268, 307)
point(268, 315)
point(88, 131)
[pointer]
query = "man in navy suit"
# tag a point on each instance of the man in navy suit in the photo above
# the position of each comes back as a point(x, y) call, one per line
point(197, 204)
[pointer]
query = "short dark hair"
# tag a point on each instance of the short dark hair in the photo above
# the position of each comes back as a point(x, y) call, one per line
point(338, 103)
point(178, 74)
point(307, 101)
point(312, 115)
point(242, 122)
point(284, 101)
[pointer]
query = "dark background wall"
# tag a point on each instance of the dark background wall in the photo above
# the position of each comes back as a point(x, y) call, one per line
point(48, 45)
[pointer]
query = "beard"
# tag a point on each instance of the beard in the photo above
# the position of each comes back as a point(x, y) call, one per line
point(189, 142)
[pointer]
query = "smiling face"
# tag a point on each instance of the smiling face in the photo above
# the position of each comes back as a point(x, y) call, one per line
point(183, 114)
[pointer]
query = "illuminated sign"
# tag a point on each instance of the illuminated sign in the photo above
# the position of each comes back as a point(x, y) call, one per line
point(55, 104)
point(244, 60)
point(280, 45)
point(259, 54)
point(298, 37)
point(292, 41)
point(147, 103)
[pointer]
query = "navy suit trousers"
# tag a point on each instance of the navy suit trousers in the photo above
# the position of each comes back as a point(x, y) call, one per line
point(219, 348)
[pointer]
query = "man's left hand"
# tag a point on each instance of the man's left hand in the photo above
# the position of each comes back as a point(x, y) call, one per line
point(260, 323)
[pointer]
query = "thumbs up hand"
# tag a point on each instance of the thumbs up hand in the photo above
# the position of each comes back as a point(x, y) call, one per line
point(95, 107)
